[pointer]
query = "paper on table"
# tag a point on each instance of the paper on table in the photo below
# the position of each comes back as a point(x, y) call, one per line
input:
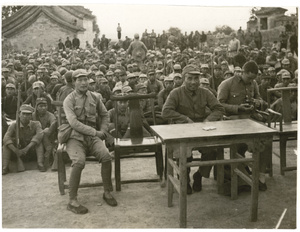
point(208, 128)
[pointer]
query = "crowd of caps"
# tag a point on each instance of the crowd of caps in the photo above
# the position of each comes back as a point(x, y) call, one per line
point(43, 77)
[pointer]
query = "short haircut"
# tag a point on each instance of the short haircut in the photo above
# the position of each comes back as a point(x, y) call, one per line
point(250, 67)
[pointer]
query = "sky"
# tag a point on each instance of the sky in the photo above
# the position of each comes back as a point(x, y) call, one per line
point(134, 18)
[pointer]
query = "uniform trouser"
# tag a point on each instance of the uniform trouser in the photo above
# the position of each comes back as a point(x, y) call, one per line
point(7, 155)
point(206, 154)
point(77, 151)
point(119, 35)
point(264, 155)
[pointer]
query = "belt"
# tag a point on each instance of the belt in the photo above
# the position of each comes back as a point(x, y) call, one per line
point(88, 123)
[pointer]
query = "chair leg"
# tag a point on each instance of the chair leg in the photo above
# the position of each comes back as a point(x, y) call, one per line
point(282, 147)
point(159, 162)
point(166, 163)
point(117, 170)
point(61, 171)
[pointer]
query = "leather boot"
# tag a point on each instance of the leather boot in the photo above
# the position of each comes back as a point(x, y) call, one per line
point(106, 176)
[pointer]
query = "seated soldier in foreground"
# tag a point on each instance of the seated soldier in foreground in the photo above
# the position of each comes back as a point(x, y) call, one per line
point(30, 145)
point(88, 119)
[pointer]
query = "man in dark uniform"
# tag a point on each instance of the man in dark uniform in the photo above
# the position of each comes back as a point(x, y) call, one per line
point(75, 42)
point(88, 118)
point(187, 104)
point(68, 43)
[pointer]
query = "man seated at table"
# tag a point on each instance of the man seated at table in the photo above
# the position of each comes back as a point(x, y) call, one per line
point(240, 97)
point(187, 104)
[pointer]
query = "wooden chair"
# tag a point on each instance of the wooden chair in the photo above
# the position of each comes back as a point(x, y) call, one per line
point(134, 146)
point(61, 157)
point(287, 128)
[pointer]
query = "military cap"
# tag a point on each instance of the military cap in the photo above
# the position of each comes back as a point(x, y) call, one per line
point(237, 69)
point(142, 75)
point(228, 72)
point(25, 108)
point(159, 71)
point(5, 70)
point(10, 85)
point(129, 66)
point(136, 74)
point(9, 64)
point(159, 62)
point(177, 67)
point(191, 69)
point(91, 80)
point(79, 73)
point(151, 72)
point(204, 81)
point(54, 77)
point(117, 88)
point(271, 69)
point(29, 67)
point(177, 75)
point(285, 61)
point(39, 70)
point(46, 64)
point(286, 75)
point(140, 86)
point(191, 60)
point(103, 80)
point(169, 78)
point(93, 67)
point(266, 66)
point(40, 100)
point(99, 73)
point(126, 89)
point(130, 75)
point(109, 73)
point(38, 84)
point(224, 62)
point(204, 66)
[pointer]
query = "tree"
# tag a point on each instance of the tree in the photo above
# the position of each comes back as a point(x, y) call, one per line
point(175, 31)
point(226, 29)
point(8, 11)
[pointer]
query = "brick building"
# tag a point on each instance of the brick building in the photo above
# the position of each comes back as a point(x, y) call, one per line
point(33, 25)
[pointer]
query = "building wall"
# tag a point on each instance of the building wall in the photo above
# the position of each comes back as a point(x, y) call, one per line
point(43, 30)
point(88, 34)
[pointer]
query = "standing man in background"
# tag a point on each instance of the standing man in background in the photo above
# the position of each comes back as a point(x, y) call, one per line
point(75, 42)
point(119, 29)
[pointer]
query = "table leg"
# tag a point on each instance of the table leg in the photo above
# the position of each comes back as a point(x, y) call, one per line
point(183, 187)
point(169, 154)
point(254, 189)
point(234, 177)
point(220, 171)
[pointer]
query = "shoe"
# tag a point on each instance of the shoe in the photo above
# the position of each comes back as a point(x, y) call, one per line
point(42, 168)
point(189, 189)
point(197, 185)
point(4, 171)
point(110, 201)
point(78, 210)
point(262, 186)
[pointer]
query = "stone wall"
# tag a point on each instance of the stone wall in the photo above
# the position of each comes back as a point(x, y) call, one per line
point(43, 30)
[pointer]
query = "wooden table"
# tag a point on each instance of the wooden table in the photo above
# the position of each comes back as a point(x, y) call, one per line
point(184, 137)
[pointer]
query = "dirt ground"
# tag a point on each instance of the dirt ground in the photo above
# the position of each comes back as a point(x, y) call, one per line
point(31, 200)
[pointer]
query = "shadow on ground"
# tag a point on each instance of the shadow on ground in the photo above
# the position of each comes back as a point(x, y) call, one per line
point(31, 200)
